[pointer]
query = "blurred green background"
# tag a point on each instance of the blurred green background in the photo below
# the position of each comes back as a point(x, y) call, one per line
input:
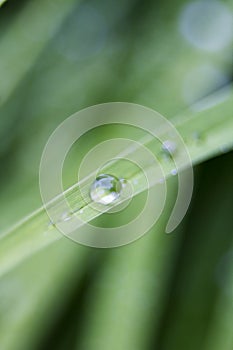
point(164, 292)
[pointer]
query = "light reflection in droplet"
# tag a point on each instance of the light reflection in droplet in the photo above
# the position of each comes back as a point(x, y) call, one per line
point(66, 216)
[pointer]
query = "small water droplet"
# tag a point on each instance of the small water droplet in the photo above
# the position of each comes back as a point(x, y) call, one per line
point(174, 172)
point(135, 182)
point(169, 147)
point(66, 216)
point(105, 189)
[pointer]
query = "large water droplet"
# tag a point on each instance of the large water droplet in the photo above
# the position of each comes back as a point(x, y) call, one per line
point(105, 189)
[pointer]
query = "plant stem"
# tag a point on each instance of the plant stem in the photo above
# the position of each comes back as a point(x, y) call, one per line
point(216, 136)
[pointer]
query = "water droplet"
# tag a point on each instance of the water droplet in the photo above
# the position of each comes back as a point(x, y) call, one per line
point(169, 147)
point(66, 216)
point(105, 189)
point(174, 172)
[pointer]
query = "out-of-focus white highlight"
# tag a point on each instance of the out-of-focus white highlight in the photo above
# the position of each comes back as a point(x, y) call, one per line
point(89, 30)
point(207, 25)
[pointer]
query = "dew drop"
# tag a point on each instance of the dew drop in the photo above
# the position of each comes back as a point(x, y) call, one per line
point(66, 216)
point(169, 147)
point(106, 189)
point(174, 172)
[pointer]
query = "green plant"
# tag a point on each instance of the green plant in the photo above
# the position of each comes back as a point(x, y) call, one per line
point(162, 291)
